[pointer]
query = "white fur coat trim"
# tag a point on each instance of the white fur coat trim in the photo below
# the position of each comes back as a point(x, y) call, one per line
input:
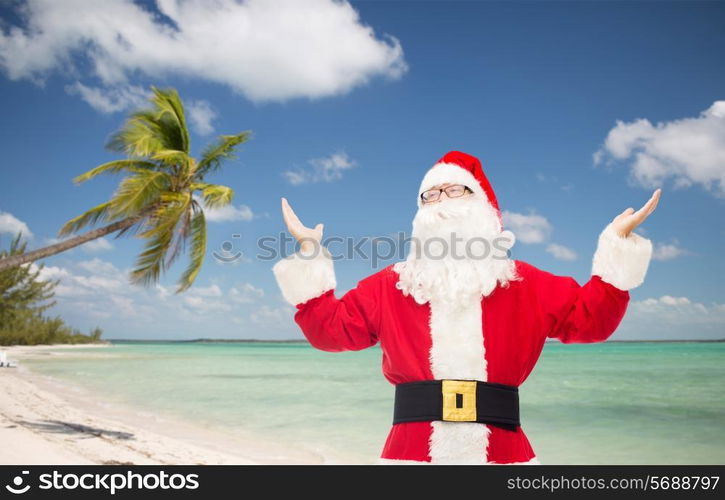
point(619, 261)
point(304, 277)
point(457, 352)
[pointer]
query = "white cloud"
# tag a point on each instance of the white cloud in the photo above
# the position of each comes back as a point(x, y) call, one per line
point(675, 301)
point(208, 291)
point(100, 267)
point(123, 306)
point(246, 293)
point(229, 213)
point(267, 50)
point(111, 99)
point(672, 318)
point(326, 169)
point(528, 228)
point(680, 309)
point(201, 115)
point(90, 247)
point(49, 273)
point(12, 225)
point(98, 291)
point(668, 251)
point(273, 316)
point(688, 151)
point(88, 278)
point(97, 245)
point(212, 298)
point(162, 292)
point(561, 252)
point(205, 305)
point(535, 228)
point(95, 284)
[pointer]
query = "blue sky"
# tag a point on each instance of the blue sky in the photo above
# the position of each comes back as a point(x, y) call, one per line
point(576, 110)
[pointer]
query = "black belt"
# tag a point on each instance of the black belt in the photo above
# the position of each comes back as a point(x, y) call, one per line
point(457, 401)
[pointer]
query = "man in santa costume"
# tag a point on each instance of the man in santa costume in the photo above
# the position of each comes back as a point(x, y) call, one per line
point(461, 324)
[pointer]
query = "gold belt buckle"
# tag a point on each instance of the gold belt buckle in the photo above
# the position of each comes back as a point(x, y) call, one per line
point(459, 400)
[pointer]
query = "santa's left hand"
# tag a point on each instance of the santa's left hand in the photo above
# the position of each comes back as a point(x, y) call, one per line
point(625, 222)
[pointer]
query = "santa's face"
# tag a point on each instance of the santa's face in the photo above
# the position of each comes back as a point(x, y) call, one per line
point(458, 250)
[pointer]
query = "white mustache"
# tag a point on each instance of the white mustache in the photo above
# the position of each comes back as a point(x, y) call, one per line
point(444, 210)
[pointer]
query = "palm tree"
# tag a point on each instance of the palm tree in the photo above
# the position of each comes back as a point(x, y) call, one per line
point(158, 198)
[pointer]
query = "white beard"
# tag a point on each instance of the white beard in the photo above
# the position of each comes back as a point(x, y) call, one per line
point(460, 270)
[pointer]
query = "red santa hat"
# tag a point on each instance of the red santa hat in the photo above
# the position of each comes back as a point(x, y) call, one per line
point(456, 167)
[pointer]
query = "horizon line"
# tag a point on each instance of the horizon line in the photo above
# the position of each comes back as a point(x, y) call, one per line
point(202, 339)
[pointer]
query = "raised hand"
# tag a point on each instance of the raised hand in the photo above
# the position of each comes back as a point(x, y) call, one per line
point(625, 222)
point(308, 238)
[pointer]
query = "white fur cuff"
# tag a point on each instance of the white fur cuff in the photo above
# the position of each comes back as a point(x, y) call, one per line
point(619, 261)
point(303, 277)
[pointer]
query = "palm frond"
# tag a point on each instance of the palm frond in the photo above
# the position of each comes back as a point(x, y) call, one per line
point(113, 167)
point(181, 236)
point(133, 229)
point(214, 195)
point(140, 136)
point(198, 250)
point(150, 262)
point(158, 127)
point(167, 214)
point(223, 149)
point(171, 157)
point(169, 107)
point(138, 191)
point(89, 218)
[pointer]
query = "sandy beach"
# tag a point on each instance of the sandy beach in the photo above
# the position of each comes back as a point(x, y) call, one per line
point(45, 421)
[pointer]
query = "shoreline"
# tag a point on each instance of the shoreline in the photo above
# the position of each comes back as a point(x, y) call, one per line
point(44, 420)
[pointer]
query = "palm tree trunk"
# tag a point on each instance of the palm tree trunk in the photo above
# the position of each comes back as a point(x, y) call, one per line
point(64, 245)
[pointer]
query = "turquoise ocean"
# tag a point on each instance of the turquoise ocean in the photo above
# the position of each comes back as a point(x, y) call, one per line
point(603, 403)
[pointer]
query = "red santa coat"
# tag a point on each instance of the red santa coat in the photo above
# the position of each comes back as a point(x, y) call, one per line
point(497, 340)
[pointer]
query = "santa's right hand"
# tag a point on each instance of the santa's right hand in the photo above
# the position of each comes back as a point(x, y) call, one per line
point(308, 238)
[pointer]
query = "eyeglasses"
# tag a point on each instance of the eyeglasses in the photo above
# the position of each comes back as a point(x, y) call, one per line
point(454, 191)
